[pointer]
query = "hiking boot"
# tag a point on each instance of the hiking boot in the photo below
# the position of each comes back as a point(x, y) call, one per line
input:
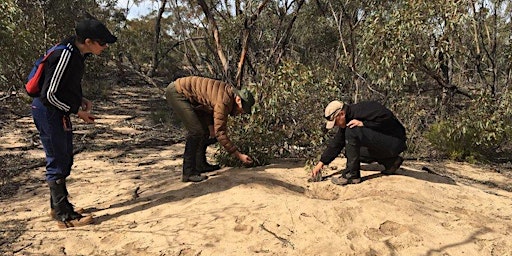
point(76, 221)
point(392, 168)
point(193, 178)
point(208, 168)
point(342, 181)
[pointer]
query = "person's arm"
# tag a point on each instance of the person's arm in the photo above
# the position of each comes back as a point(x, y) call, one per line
point(317, 169)
point(85, 112)
point(242, 157)
point(334, 147)
point(86, 116)
point(57, 69)
point(332, 151)
point(220, 116)
point(86, 105)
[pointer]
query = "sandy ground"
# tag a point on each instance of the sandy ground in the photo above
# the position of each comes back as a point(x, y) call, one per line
point(128, 177)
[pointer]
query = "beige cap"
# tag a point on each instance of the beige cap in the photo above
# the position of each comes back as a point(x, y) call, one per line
point(331, 110)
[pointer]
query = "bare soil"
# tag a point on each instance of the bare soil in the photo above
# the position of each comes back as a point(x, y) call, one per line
point(127, 174)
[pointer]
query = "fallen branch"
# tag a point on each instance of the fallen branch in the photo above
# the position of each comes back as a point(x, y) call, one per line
point(283, 240)
point(146, 78)
point(21, 249)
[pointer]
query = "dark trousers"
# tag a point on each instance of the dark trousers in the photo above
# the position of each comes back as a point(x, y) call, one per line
point(196, 124)
point(365, 144)
point(57, 141)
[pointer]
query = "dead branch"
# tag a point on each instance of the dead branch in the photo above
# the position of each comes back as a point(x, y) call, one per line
point(146, 78)
point(283, 240)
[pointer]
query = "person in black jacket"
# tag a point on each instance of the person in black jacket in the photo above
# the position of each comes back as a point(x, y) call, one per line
point(61, 96)
point(369, 132)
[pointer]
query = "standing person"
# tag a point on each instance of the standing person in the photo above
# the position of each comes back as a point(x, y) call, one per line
point(369, 132)
point(61, 96)
point(200, 103)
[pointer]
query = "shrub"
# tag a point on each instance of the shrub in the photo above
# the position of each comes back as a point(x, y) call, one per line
point(476, 134)
point(287, 118)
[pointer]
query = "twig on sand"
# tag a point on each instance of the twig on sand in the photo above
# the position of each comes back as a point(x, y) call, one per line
point(21, 249)
point(283, 240)
point(136, 193)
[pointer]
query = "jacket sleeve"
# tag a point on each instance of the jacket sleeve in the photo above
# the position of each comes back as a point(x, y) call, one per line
point(220, 119)
point(52, 85)
point(334, 147)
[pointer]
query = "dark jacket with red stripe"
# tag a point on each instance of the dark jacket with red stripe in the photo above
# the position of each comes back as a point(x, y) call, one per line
point(62, 86)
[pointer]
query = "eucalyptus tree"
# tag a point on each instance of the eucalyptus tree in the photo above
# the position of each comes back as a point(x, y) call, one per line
point(8, 24)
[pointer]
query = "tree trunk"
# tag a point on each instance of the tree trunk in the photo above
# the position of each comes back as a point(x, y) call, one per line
point(156, 40)
point(215, 31)
point(245, 42)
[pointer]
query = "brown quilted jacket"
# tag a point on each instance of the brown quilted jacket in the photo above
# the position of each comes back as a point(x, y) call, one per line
point(211, 96)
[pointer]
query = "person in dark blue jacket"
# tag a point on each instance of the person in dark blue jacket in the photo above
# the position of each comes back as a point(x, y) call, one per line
point(61, 96)
point(369, 132)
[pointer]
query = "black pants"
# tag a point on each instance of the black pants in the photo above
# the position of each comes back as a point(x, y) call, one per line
point(365, 144)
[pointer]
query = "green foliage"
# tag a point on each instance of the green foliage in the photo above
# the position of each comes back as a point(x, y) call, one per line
point(287, 118)
point(476, 133)
point(31, 27)
point(9, 36)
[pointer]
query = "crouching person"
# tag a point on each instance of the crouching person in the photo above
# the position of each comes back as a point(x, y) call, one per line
point(369, 132)
point(201, 103)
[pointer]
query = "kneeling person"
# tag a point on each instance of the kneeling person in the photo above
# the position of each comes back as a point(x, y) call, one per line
point(369, 132)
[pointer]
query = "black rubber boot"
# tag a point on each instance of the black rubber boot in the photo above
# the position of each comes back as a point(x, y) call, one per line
point(53, 213)
point(190, 173)
point(202, 164)
point(63, 210)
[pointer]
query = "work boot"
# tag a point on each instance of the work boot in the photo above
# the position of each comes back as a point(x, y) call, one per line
point(392, 165)
point(190, 173)
point(346, 179)
point(194, 178)
point(77, 222)
point(63, 210)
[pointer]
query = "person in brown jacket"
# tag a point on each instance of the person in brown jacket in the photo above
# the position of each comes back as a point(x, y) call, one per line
point(200, 103)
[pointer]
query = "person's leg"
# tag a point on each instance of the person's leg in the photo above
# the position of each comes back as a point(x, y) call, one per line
point(382, 148)
point(352, 172)
point(58, 147)
point(365, 156)
point(57, 143)
point(202, 164)
point(185, 112)
point(63, 210)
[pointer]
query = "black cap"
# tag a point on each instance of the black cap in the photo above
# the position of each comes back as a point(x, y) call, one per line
point(95, 30)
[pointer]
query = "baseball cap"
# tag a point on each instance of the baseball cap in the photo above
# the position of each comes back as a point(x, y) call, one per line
point(247, 100)
point(332, 109)
point(95, 30)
